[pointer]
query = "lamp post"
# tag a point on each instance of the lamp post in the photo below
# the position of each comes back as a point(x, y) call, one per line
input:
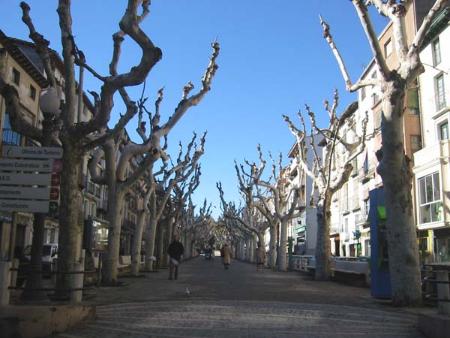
point(49, 104)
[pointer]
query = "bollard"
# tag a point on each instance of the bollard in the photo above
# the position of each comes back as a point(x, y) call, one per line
point(77, 279)
point(5, 278)
point(443, 292)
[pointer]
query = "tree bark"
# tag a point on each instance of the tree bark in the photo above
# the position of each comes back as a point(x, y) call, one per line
point(282, 262)
point(323, 247)
point(114, 217)
point(273, 247)
point(71, 226)
point(161, 241)
point(397, 181)
point(34, 280)
point(137, 243)
point(150, 244)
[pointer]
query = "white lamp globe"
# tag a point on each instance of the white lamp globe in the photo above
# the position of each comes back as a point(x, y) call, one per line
point(49, 101)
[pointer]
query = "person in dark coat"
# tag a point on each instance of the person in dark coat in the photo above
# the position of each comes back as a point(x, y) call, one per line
point(175, 251)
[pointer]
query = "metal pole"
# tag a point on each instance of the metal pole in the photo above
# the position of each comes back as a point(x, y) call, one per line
point(12, 235)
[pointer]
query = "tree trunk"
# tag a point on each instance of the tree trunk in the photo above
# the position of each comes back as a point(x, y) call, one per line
point(397, 181)
point(273, 247)
point(161, 241)
point(34, 280)
point(150, 244)
point(323, 247)
point(114, 217)
point(137, 242)
point(170, 226)
point(282, 262)
point(71, 225)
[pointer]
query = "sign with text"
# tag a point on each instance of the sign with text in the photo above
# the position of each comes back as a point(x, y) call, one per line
point(43, 166)
point(24, 193)
point(24, 206)
point(32, 152)
point(24, 179)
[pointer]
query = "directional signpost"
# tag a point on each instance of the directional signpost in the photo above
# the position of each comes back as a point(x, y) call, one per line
point(29, 179)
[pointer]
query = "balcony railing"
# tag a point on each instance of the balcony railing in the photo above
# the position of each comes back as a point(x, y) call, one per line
point(10, 137)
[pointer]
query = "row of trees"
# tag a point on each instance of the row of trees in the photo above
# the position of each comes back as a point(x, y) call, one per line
point(331, 171)
point(173, 183)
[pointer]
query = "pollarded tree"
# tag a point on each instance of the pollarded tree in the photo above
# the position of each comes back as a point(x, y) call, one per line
point(394, 167)
point(280, 193)
point(182, 213)
point(76, 137)
point(330, 172)
point(253, 215)
point(185, 169)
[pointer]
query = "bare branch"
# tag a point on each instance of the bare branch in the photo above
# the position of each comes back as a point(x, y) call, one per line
point(40, 42)
point(193, 100)
point(426, 23)
point(372, 38)
point(329, 38)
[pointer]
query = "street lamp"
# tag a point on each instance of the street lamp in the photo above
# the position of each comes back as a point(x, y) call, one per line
point(50, 102)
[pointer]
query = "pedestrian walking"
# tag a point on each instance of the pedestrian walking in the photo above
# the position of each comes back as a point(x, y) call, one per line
point(226, 255)
point(175, 251)
point(260, 257)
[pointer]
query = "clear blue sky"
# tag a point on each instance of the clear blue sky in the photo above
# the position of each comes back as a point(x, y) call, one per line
point(273, 60)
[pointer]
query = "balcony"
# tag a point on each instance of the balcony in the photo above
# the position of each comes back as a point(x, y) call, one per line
point(431, 153)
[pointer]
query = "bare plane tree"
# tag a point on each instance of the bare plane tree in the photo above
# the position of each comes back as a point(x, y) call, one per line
point(275, 189)
point(78, 137)
point(329, 173)
point(394, 167)
point(185, 169)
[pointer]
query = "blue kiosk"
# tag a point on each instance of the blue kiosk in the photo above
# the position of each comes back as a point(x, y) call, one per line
point(379, 258)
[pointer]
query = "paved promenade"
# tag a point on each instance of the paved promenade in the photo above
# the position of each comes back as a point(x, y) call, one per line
point(208, 301)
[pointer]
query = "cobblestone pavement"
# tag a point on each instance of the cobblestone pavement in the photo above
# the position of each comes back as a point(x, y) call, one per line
point(208, 301)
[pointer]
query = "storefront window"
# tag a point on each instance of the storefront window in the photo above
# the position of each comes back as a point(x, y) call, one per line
point(430, 199)
point(443, 250)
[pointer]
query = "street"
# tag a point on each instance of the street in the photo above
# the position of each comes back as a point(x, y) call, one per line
point(208, 301)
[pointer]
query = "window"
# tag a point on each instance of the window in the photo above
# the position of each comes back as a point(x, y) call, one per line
point(345, 207)
point(436, 51)
point(366, 164)
point(388, 48)
point(366, 207)
point(355, 197)
point(32, 92)
point(375, 99)
point(16, 76)
point(439, 92)
point(430, 199)
point(355, 166)
point(416, 143)
point(8, 135)
point(443, 131)
point(363, 93)
point(413, 101)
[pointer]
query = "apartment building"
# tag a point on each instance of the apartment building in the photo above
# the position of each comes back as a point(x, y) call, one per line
point(431, 164)
point(18, 70)
point(20, 65)
point(350, 228)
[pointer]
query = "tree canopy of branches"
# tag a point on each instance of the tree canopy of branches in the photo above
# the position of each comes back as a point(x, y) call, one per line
point(331, 172)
